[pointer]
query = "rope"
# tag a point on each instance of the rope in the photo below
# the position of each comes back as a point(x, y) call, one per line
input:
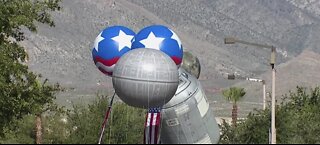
point(106, 119)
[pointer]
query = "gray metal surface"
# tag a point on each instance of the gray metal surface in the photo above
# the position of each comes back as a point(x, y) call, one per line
point(145, 78)
point(188, 117)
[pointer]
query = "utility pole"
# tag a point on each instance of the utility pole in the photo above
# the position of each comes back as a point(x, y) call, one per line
point(232, 40)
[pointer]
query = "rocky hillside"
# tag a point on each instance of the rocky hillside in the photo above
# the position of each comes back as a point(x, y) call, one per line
point(63, 53)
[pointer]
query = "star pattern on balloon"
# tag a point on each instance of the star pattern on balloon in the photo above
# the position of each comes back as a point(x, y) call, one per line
point(152, 41)
point(97, 41)
point(175, 37)
point(123, 40)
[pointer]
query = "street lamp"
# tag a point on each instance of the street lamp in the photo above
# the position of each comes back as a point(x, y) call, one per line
point(231, 40)
point(233, 77)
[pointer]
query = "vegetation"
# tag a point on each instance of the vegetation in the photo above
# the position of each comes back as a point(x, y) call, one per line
point(234, 95)
point(21, 92)
point(125, 125)
point(297, 121)
point(82, 125)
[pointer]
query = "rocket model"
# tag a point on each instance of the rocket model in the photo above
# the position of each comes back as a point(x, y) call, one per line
point(187, 117)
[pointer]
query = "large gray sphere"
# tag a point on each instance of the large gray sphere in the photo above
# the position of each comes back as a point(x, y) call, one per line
point(145, 78)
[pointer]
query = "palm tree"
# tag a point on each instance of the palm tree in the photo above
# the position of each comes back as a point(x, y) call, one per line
point(234, 94)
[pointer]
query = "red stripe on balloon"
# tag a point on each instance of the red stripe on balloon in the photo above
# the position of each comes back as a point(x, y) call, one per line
point(177, 60)
point(108, 62)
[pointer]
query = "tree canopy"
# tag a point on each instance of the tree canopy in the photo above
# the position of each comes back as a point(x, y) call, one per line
point(297, 121)
point(234, 94)
point(82, 125)
point(21, 92)
point(125, 124)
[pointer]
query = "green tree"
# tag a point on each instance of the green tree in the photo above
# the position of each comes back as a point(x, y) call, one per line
point(55, 127)
point(81, 125)
point(297, 121)
point(22, 131)
point(234, 95)
point(125, 124)
point(21, 92)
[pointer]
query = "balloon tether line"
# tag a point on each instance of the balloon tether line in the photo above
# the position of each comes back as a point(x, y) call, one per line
point(106, 119)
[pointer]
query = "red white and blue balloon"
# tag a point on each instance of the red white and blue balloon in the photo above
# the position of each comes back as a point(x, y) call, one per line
point(161, 38)
point(110, 45)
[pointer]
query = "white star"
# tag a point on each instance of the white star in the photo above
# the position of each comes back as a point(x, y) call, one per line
point(175, 37)
point(123, 40)
point(152, 41)
point(97, 41)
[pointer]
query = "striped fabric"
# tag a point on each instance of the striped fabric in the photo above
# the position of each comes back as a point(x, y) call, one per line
point(152, 126)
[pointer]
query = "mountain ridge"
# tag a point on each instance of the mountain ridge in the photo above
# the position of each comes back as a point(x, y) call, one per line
point(63, 53)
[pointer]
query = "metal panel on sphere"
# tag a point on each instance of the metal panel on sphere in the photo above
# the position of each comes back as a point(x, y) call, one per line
point(145, 78)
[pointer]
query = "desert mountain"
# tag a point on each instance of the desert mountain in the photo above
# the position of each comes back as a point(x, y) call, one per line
point(63, 53)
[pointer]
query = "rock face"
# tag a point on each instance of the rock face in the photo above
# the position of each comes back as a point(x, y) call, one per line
point(63, 53)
